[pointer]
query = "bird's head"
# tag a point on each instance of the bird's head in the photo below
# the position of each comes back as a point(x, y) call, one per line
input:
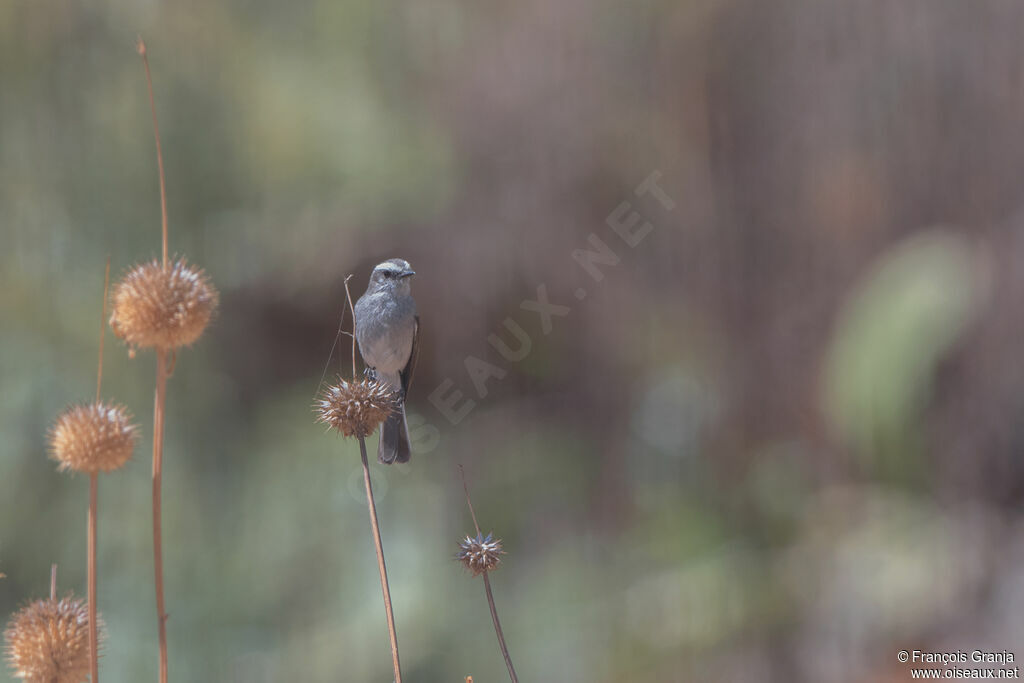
point(393, 274)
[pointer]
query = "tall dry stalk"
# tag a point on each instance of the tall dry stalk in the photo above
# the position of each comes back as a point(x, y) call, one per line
point(481, 555)
point(93, 438)
point(381, 566)
point(94, 504)
point(358, 409)
point(94, 662)
point(162, 306)
point(159, 399)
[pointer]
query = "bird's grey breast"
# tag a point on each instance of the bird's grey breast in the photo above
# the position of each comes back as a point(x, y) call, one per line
point(384, 328)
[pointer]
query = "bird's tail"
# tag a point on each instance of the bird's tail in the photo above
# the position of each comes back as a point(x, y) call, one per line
point(394, 439)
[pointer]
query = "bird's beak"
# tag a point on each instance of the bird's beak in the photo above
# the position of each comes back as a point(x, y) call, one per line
point(407, 273)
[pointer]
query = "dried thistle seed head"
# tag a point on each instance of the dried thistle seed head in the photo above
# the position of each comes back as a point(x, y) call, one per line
point(355, 408)
point(48, 641)
point(480, 554)
point(96, 437)
point(163, 308)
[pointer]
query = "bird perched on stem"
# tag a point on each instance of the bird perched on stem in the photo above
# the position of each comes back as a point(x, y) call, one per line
point(387, 329)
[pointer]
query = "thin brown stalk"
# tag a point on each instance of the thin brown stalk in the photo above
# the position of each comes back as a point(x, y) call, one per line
point(348, 297)
point(337, 336)
point(159, 399)
point(91, 532)
point(487, 589)
point(53, 581)
point(381, 567)
point(497, 629)
point(141, 46)
point(103, 329)
point(341, 331)
point(94, 663)
point(158, 468)
point(462, 473)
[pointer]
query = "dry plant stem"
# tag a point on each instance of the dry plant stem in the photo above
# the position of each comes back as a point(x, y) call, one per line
point(103, 329)
point(94, 508)
point(53, 582)
point(465, 488)
point(330, 356)
point(158, 468)
point(159, 151)
point(497, 629)
point(348, 297)
point(160, 398)
point(93, 642)
point(380, 561)
point(487, 588)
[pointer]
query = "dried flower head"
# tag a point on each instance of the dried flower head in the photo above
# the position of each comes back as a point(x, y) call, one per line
point(355, 408)
point(163, 308)
point(48, 641)
point(480, 554)
point(96, 437)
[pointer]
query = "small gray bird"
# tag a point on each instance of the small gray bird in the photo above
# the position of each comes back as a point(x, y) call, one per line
point(387, 329)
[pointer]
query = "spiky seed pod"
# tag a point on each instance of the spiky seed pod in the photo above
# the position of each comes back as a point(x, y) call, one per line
point(162, 308)
point(480, 554)
point(355, 408)
point(48, 641)
point(95, 437)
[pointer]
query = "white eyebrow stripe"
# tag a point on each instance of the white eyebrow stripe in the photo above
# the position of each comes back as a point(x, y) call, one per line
point(390, 267)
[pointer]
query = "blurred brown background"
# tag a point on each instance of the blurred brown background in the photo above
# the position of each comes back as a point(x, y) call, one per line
point(779, 441)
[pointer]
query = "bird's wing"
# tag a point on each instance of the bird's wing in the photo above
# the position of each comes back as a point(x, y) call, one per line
point(410, 365)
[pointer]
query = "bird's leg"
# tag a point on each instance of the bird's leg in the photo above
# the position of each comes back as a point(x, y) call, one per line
point(370, 374)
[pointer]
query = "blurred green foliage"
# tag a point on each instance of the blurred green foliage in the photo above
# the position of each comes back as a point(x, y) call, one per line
point(899, 324)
